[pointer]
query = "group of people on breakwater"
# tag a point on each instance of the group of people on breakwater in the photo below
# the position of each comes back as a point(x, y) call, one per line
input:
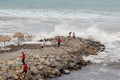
point(25, 65)
point(71, 34)
point(59, 40)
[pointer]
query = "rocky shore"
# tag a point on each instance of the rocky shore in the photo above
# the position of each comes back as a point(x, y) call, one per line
point(50, 61)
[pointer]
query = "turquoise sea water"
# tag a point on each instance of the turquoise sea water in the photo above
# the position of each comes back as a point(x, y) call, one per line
point(97, 5)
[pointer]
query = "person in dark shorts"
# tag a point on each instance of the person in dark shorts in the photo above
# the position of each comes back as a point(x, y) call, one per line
point(74, 35)
point(25, 68)
point(59, 41)
point(69, 34)
point(23, 58)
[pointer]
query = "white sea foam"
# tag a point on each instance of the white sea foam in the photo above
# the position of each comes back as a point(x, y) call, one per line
point(111, 55)
point(45, 14)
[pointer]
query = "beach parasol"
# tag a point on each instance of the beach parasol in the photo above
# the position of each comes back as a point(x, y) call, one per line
point(4, 38)
point(18, 35)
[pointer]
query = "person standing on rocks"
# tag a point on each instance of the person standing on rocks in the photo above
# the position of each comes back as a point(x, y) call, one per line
point(25, 68)
point(42, 43)
point(59, 41)
point(23, 58)
point(69, 34)
point(73, 34)
point(45, 39)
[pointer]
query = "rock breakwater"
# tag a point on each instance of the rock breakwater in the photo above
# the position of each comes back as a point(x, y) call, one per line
point(51, 61)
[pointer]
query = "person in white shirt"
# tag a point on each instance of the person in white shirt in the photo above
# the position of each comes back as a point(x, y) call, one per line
point(42, 43)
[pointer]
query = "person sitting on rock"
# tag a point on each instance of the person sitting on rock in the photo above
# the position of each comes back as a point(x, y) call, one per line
point(23, 58)
point(25, 68)
point(59, 41)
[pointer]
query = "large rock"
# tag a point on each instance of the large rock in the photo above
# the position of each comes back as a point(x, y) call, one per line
point(56, 72)
point(41, 59)
point(9, 62)
point(16, 68)
point(3, 77)
point(65, 71)
point(72, 65)
point(37, 77)
point(4, 69)
point(45, 72)
point(40, 67)
point(29, 75)
point(36, 56)
point(15, 76)
point(34, 70)
point(83, 63)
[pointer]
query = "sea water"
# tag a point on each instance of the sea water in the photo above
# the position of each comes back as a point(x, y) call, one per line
point(94, 72)
point(58, 16)
point(98, 20)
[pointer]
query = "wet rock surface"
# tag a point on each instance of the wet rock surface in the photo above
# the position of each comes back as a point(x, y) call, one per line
point(50, 61)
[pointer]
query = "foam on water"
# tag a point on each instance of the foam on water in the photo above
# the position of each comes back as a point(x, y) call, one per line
point(111, 55)
point(45, 18)
point(60, 14)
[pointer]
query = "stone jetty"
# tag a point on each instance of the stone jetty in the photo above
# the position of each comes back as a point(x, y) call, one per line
point(50, 61)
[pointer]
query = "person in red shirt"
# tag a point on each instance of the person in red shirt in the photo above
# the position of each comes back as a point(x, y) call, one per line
point(25, 68)
point(59, 41)
point(23, 58)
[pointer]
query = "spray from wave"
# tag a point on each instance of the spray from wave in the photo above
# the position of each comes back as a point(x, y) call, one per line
point(111, 41)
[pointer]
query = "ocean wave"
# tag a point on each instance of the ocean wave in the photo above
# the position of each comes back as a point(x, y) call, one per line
point(55, 19)
point(51, 14)
point(111, 54)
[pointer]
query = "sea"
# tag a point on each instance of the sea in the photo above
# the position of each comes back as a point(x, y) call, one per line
point(98, 20)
